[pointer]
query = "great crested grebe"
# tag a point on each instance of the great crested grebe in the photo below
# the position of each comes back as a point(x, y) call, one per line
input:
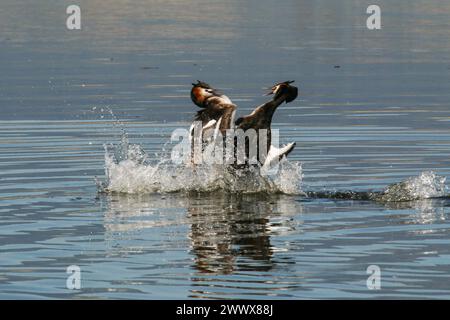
point(217, 108)
point(218, 111)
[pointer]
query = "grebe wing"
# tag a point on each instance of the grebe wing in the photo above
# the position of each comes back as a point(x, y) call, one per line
point(276, 154)
point(258, 119)
point(216, 109)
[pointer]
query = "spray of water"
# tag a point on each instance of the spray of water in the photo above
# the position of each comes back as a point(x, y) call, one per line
point(425, 186)
point(128, 169)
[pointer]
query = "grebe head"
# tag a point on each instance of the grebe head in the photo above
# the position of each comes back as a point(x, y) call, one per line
point(284, 88)
point(200, 92)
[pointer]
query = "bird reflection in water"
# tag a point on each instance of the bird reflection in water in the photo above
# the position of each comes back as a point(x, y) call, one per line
point(234, 233)
point(227, 232)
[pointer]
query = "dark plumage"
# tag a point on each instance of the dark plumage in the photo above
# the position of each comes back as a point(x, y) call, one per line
point(261, 117)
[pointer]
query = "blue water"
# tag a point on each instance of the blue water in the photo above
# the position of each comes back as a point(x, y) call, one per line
point(380, 117)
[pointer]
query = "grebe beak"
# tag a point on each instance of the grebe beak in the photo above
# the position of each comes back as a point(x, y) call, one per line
point(276, 87)
point(272, 90)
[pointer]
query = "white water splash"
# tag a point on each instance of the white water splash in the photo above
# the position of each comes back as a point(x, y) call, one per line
point(426, 185)
point(128, 169)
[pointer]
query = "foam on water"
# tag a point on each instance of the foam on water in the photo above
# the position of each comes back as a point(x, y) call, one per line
point(426, 185)
point(129, 169)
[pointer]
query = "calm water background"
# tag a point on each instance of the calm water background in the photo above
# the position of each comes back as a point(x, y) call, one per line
point(381, 116)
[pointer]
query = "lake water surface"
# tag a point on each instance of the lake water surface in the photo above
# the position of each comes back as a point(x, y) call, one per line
point(374, 109)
